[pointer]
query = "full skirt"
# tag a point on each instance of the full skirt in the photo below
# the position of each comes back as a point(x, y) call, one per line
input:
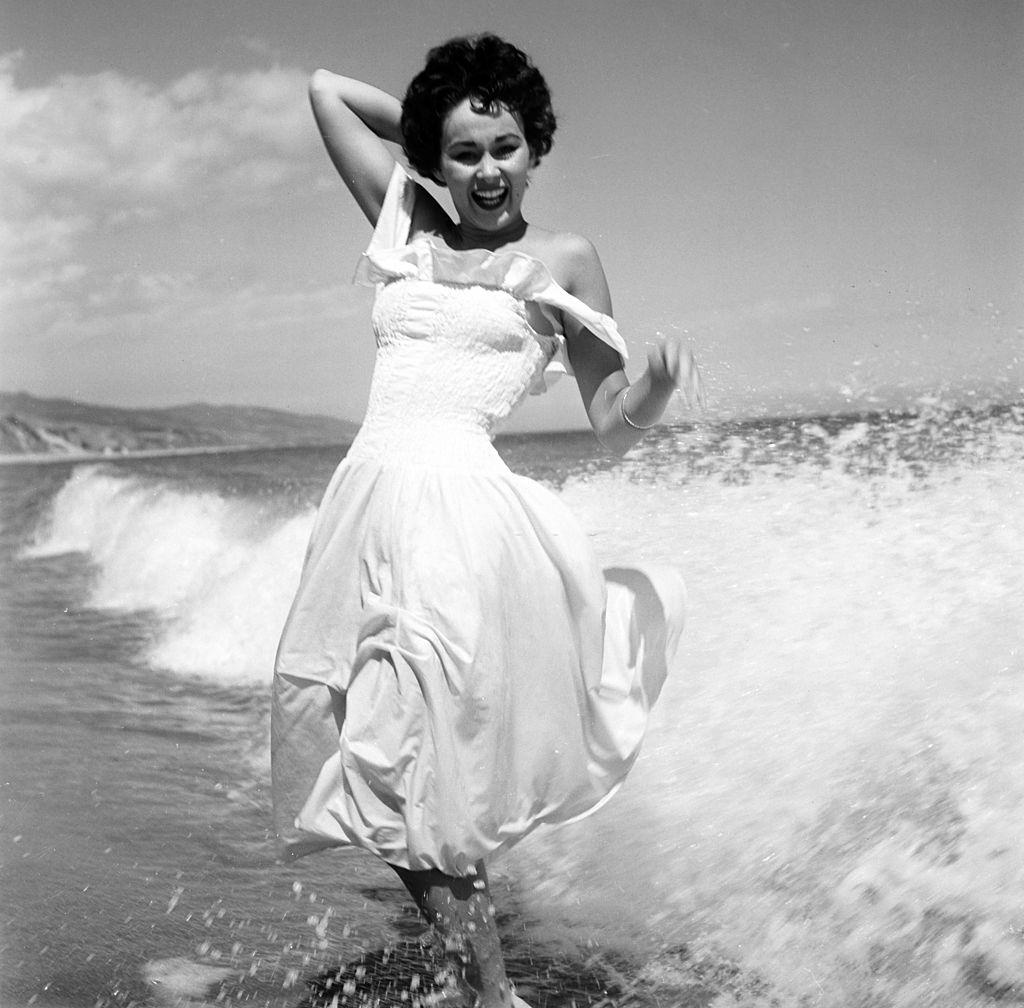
point(456, 668)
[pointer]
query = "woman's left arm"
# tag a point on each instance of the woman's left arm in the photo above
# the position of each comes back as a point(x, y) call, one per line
point(618, 411)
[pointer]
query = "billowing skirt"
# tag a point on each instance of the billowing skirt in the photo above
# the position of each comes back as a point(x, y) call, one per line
point(456, 668)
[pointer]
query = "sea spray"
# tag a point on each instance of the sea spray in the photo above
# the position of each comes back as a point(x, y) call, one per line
point(827, 808)
point(229, 629)
point(827, 770)
point(218, 571)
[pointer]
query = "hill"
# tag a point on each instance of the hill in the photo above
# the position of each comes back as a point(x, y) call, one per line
point(63, 428)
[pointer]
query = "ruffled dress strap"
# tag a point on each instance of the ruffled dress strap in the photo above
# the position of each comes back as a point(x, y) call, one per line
point(391, 256)
point(392, 228)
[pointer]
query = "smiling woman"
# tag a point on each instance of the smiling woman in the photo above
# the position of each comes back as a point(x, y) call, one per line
point(456, 670)
point(485, 163)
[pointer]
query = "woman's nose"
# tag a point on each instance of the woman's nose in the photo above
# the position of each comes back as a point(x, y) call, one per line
point(487, 168)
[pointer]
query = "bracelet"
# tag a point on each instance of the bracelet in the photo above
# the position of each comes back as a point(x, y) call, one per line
point(625, 416)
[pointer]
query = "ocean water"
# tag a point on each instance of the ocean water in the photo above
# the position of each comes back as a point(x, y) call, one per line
point(827, 811)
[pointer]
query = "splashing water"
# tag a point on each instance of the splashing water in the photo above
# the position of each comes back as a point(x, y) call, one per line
point(219, 571)
point(828, 806)
point(830, 793)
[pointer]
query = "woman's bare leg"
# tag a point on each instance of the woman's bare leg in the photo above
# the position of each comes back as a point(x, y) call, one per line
point(461, 910)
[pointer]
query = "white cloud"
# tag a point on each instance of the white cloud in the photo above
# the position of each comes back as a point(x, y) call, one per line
point(178, 310)
point(83, 155)
point(82, 150)
point(130, 291)
point(108, 137)
point(40, 238)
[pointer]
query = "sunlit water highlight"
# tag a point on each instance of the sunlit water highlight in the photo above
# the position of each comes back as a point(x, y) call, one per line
point(827, 810)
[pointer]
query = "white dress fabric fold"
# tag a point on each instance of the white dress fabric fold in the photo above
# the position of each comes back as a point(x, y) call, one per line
point(456, 668)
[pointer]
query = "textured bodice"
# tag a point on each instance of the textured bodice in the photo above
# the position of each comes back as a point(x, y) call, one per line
point(462, 356)
point(456, 351)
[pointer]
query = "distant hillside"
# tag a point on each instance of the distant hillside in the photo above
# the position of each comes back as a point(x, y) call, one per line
point(61, 427)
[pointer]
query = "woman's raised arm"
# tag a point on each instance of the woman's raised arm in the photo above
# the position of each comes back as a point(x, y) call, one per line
point(353, 119)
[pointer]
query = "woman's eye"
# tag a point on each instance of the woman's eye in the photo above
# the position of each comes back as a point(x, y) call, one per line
point(505, 152)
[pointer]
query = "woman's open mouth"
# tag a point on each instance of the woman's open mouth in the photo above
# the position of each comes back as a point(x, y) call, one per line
point(489, 199)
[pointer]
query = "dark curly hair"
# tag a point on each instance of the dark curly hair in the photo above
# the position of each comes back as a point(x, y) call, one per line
point(487, 70)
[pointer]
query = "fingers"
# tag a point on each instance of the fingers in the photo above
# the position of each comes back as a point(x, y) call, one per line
point(670, 360)
point(692, 383)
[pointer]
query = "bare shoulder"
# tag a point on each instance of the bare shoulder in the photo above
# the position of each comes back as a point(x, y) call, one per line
point(575, 266)
point(571, 258)
point(561, 250)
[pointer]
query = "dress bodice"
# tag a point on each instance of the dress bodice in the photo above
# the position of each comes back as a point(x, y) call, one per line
point(456, 350)
point(460, 355)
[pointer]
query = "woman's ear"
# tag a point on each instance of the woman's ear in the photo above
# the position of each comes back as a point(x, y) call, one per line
point(534, 161)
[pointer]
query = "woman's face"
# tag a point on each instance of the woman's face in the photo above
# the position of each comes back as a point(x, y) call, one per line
point(484, 163)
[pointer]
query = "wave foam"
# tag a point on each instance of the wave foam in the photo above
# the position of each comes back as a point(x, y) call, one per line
point(218, 572)
point(830, 795)
point(830, 787)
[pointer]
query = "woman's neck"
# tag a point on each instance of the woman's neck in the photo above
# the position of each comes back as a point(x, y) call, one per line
point(465, 236)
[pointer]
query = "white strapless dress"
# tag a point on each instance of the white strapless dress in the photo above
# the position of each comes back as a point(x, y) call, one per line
point(456, 669)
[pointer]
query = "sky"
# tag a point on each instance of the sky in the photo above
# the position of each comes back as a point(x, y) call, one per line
point(825, 198)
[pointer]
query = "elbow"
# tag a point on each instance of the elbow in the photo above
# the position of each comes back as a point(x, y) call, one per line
point(611, 435)
point(616, 449)
point(322, 84)
point(318, 81)
point(614, 443)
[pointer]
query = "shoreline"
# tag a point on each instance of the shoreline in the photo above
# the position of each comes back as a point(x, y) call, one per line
point(73, 458)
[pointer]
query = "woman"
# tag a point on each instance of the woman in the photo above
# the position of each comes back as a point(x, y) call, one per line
point(456, 670)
